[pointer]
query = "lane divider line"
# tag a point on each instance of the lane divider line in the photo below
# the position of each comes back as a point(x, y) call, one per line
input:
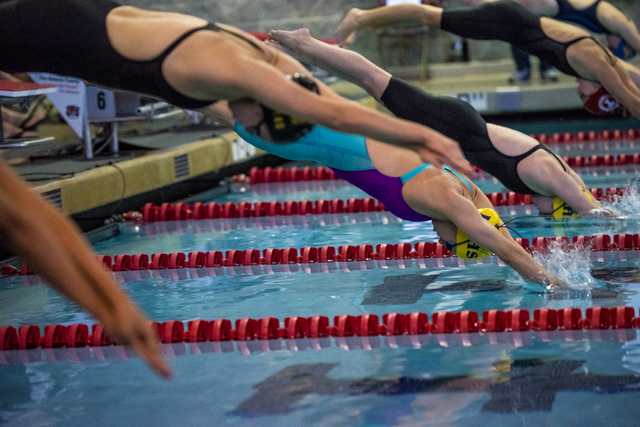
point(366, 325)
point(330, 254)
point(183, 211)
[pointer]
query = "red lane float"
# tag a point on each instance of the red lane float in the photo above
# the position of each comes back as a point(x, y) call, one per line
point(581, 137)
point(212, 210)
point(322, 173)
point(345, 253)
point(365, 325)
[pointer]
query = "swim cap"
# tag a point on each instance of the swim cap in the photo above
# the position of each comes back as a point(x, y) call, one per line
point(467, 249)
point(563, 212)
point(603, 104)
point(285, 128)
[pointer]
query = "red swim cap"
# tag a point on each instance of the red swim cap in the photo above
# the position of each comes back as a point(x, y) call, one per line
point(602, 103)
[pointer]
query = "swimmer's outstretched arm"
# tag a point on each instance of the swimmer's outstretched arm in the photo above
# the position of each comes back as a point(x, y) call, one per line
point(343, 115)
point(358, 19)
point(56, 250)
point(464, 215)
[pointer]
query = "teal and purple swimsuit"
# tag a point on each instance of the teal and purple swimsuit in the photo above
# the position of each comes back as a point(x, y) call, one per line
point(347, 156)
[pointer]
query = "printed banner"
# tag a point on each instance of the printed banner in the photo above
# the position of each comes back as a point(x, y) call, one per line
point(70, 99)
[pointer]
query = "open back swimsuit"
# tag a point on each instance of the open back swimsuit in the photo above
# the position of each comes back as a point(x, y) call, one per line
point(69, 37)
point(511, 23)
point(461, 122)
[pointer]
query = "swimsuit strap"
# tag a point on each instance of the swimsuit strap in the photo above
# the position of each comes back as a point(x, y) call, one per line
point(406, 177)
point(215, 27)
point(540, 146)
point(545, 148)
point(179, 40)
point(603, 47)
point(450, 171)
point(211, 27)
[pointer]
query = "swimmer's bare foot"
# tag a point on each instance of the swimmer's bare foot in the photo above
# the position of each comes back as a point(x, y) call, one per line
point(346, 32)
point(293, 42)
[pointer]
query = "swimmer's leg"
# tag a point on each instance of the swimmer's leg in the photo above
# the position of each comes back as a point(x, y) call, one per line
point(501, 20)
point(346, 64)
point(618, 23)
point(383, 16)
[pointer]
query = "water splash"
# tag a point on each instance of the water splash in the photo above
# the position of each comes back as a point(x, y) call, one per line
point(628, 205)
point(571, 265)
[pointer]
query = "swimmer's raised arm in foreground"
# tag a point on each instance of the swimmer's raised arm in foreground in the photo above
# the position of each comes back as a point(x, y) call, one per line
point(520, 162)
point(190, 63)
point(56, 250)
point(568, 48)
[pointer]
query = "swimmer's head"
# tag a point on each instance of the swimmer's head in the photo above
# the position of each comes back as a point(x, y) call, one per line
point(556, 208)
point(463, 246)
point(270, 125)
point(597, 101)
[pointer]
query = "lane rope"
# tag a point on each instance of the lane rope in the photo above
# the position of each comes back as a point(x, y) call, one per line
point(316, 327)
point(184, 212)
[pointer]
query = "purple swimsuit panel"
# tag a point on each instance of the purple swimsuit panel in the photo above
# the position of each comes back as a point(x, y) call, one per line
point(386, 189)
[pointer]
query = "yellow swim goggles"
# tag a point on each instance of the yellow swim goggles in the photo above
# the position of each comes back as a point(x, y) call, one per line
point(466, 249)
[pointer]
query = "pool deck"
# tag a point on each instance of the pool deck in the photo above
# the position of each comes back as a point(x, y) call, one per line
point(173, 165)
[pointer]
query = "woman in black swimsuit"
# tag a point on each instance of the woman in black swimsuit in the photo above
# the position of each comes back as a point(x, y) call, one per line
point(187, 61)
point(520, 162)
point(568, 48)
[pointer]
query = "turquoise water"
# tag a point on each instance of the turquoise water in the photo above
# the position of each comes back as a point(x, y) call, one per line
point(585, 378)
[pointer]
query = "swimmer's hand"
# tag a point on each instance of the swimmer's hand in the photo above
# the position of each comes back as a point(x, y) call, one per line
point(552, 283)
point(600, 213)
point(441, 150)
point(127, 325)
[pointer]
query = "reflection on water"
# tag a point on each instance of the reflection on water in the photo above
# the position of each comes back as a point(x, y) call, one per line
point(525, 385)
point(618, 275)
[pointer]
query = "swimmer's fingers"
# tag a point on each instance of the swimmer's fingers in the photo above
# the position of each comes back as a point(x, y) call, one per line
point(552, 283)
point(130, 327)
point(146, 344)
point(447, 152)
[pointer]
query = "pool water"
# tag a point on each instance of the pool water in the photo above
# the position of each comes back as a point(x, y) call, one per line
point(586, 378)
